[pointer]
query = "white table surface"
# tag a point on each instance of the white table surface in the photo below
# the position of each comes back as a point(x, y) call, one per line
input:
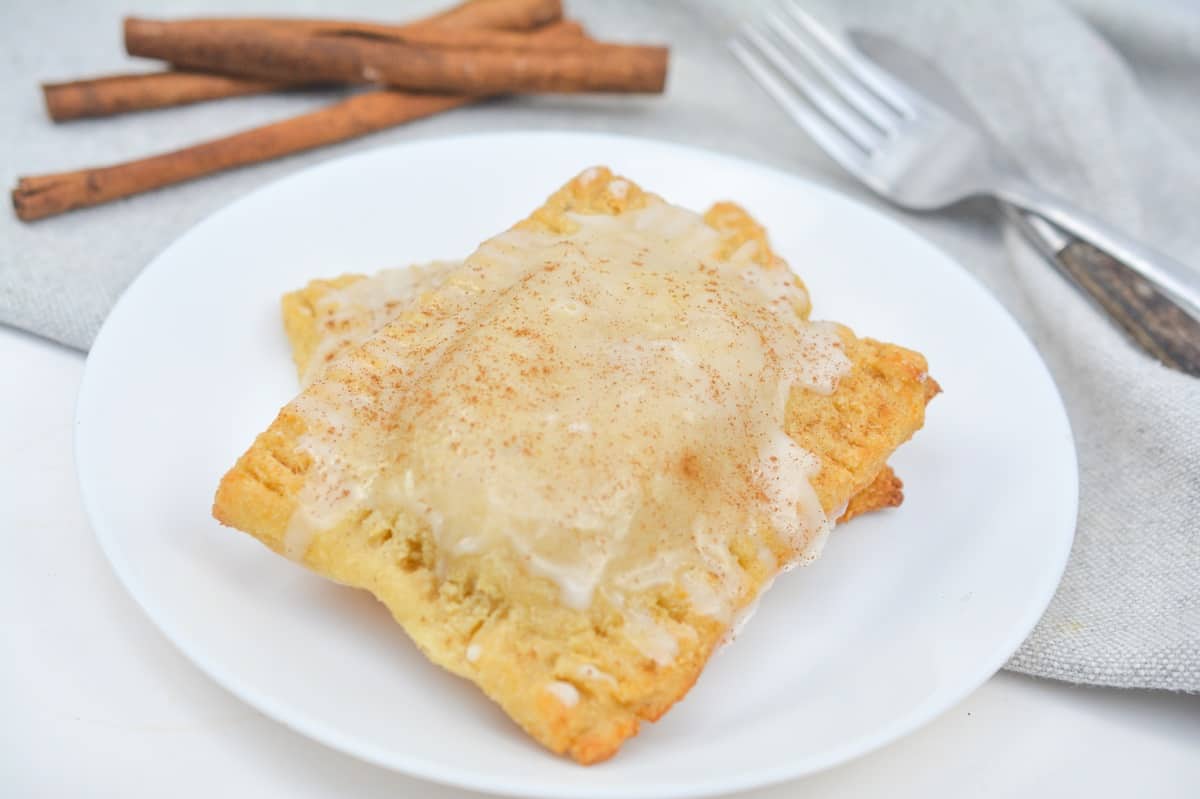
point(95, 702)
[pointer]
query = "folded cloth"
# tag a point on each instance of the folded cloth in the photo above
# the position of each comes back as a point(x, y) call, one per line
point(1096, 101)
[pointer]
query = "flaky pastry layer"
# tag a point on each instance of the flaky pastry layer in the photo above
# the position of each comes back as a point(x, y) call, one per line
point(573, 678)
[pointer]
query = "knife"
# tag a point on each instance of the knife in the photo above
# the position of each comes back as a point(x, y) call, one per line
point(1148, 317)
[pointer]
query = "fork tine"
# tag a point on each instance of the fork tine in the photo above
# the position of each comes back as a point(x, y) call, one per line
point(830, 139)
point(895, 93)
point(837, 109)
point(827, 65)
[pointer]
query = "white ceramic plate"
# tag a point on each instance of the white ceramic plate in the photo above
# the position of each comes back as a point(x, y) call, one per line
point(907, 612)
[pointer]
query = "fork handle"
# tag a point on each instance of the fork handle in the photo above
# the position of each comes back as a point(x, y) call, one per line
point(1176, 280)
point(1150, 318)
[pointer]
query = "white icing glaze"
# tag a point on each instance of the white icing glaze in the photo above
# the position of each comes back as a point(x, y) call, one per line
point(468, 545)
point(348, 316)
point(649, 637)
point(714, 588)
point(564, 692)
point(606, 405)
point(742, 617)
point(784, 469)
point(589, 672)
point(705, 597)
point(658, 570)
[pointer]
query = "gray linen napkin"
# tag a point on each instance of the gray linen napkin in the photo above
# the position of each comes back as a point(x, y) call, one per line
point(1065, 100)
point(1099, 104)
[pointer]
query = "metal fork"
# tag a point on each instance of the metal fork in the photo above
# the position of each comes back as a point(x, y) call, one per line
point(908, 149)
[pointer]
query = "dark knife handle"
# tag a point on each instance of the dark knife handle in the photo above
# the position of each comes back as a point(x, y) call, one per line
point(1150, 318)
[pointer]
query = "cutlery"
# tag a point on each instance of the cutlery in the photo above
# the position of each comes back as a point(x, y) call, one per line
point(920, 157)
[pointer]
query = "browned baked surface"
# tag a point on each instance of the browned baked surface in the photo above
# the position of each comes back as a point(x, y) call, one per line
point(885, 491)
point(523, 638)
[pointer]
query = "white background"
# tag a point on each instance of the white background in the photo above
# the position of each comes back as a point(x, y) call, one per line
point(95, 702)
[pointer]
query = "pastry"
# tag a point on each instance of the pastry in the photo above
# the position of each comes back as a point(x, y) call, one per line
point(327, 318)
point(581, 454)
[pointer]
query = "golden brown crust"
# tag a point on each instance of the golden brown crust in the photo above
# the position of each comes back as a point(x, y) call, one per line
point(875, 409)
point(259, 493)
point(591, 192)
point(738, 229)
point(299, 316)
point(523, 637)
point(885, 491)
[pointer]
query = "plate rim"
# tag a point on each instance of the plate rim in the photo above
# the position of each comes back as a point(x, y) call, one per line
point(421, 768)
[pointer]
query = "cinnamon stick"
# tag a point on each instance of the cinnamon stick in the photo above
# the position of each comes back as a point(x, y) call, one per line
point(46, 195)
point(512, 15)
point(355, 57)
point(501, 15)
point(496, 15)
point(118, 94)
point(559, 35)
